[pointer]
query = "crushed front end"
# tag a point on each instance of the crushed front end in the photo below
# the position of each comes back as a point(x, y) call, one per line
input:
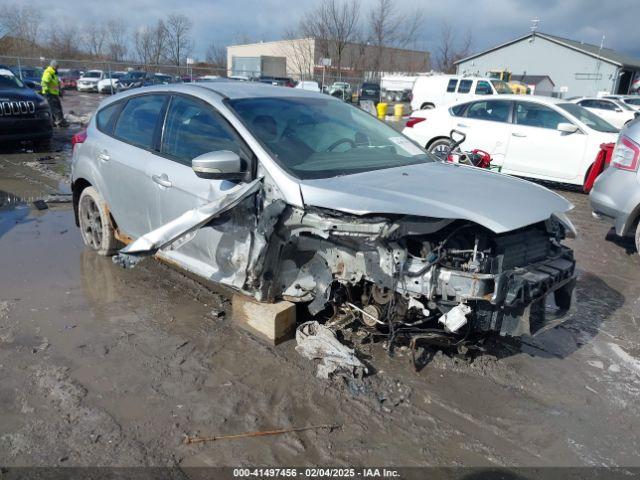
point(410, 273)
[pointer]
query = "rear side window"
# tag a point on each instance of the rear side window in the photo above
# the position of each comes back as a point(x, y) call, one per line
point(465, 86)
point(491, 110)
point(458, 110)
point(193, 128)
point(138, 119)
point(534, 115)
point(451, 87)
point(105, 117)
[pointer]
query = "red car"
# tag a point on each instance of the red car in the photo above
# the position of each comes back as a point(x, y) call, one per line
point(68, 78)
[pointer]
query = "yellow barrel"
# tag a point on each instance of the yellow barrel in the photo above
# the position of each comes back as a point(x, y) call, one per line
point(398, 111)
point(382, 110)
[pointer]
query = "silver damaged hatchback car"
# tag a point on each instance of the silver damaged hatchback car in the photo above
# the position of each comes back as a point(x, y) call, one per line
point(281, 193)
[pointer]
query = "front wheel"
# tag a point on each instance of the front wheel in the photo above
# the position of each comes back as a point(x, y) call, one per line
point(638, 238)
point(95, 224)
point(441, 148)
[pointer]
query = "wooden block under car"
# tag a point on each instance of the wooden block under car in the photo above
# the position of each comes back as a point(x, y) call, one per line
point(273, 322)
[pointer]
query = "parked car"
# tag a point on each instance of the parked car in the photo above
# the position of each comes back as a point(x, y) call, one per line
point(308, 85)
point(341, 90)
point(110, 84)
point(30, 76)
point(89, 81)
point(535, 137)
point(134, 79)
point(283, 82)
point(24, 115)
point(207, 78)
point(69, 78)
point(435, 90)
point(292, 194)
point(615, 112)
point(163, 79)
point(615, 196)
point(632, 101)
point(369, 91)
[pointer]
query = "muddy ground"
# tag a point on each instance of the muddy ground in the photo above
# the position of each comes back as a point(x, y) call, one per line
point(105, 366)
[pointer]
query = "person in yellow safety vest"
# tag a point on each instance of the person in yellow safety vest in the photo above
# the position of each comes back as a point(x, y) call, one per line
point(51, 90)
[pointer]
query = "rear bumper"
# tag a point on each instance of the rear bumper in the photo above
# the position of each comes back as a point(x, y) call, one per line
point(18, 129)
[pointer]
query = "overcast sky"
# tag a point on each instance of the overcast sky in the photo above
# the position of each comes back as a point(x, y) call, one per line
point(491, 21)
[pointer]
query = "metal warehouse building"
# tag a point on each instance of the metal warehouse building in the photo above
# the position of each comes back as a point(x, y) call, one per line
point(575, 68)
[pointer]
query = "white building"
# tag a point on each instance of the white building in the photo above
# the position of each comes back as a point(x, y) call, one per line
point(576, 68)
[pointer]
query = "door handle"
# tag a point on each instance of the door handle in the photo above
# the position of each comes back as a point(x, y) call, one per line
point(162, 180)
point(517, 134)
point(462, 125)
point(104, 156)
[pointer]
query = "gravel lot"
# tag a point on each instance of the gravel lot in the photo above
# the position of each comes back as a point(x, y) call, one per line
point(104, 366)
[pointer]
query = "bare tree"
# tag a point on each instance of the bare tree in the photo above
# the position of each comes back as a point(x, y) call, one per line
point(151, 43)
point(179, 42)
point(335, 24)
point(63, 41)
point(94, 37)
point(22, 23)
point(450, 50)
point(299, 53)
point(216, 55)
point(117, 39)
point(388, 28)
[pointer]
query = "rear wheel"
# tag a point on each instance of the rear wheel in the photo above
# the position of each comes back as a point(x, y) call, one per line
point(638, 238)
point(427, 106)
point(95, 224)
point(441, 148)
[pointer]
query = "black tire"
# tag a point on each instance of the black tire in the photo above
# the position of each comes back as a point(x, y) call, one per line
point(440, 148)
point(96, 227)
point(638, 238)
point(427, 106)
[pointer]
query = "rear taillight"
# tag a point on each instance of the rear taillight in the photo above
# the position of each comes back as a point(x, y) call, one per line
point(79, 137)
point(414, 120)
point(626, 154)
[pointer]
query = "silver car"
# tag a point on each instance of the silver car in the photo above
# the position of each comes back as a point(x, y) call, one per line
point(287, 194)
point(615, 196)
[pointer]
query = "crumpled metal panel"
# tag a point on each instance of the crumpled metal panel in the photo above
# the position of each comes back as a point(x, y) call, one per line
point(151, 242)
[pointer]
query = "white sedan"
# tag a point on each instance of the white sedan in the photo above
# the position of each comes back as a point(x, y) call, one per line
point(89, 81)
point(109, 85)
point(308, 85)
point(613, 111)
point(535, 137)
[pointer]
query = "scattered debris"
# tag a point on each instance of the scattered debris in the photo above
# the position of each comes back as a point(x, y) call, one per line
point(318, 342)
point(216, 313)
point(455, 318)
point(191, 440)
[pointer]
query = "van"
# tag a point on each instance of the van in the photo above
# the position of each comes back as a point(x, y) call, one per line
point(432, 91)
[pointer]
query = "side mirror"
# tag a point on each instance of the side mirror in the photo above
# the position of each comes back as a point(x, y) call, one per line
point(219, 165)
point(30, 83)
point(619, 110)
point(567, 128)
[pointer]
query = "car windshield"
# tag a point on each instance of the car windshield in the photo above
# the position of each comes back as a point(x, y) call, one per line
point(632, 101)
point(323, 137)
point(501, 87)
point(92, 75)
point(9, 80)
point(591, 120)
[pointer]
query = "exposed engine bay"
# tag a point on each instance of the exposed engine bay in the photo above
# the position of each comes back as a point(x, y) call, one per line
point(400, 275)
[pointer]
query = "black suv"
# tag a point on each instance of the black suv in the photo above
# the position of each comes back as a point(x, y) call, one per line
point(369, 91)
point(24, 115)
point(135, 79)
